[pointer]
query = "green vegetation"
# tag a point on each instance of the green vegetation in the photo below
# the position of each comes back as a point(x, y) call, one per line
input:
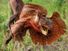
point(60, 6)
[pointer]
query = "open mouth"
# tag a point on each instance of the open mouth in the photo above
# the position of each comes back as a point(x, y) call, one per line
point(44, 30)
